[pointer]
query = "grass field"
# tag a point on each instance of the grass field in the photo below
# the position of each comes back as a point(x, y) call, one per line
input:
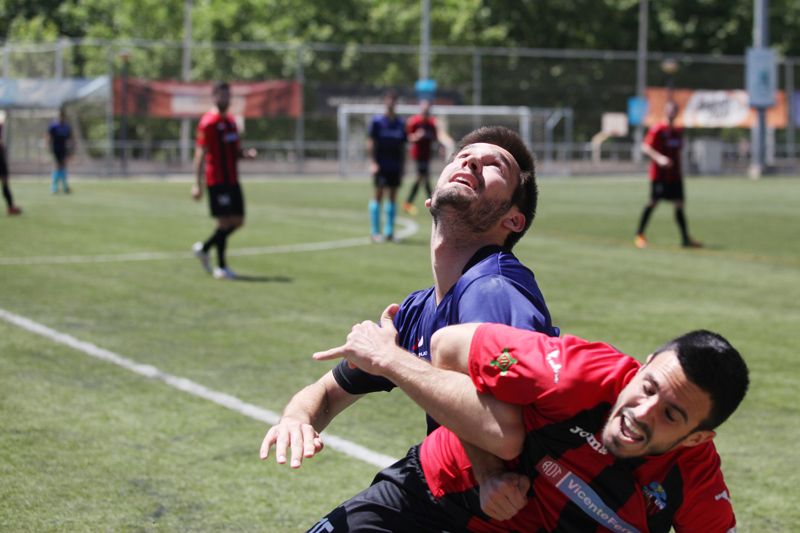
point(89, 446)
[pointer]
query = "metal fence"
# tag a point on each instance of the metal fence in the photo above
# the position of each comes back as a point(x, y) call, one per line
point(585, 82)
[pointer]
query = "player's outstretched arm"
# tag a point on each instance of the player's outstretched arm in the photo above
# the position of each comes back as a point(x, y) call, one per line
point(449, 397)
point(197, 187)
point(304, 417)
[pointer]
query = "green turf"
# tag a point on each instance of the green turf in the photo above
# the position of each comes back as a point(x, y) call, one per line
point(88, 446)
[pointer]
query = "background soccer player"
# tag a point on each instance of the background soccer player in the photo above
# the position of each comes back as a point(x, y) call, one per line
point(60, 136)
point(386, 146)
point(423, 135)
point(11, 209)
point(663, 144)
point(219, 150)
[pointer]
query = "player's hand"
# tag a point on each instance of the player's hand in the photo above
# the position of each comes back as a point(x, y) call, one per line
point(664, 161)
point(300, 438)
point(373, 168)
point(504, 494)
point(250, 153)
point(197, 192)
point(369, 346)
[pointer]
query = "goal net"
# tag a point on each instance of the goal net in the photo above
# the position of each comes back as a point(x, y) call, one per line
point(536, 126)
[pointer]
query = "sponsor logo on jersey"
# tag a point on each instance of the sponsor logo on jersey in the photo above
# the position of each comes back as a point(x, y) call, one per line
point(552, 360)
point(504, 361)
point(656, 497)
point(591, 440)
point(582, 495)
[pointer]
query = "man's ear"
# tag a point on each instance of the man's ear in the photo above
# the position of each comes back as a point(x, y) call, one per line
point(514, 221)
point(698, 437)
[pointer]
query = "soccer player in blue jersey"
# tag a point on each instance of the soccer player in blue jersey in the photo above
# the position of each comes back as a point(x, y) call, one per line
point(60, 135)
point(483, 203)
point(386, 145)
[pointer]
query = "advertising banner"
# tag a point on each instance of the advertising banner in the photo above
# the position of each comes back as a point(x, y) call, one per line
point(712, 109)
point(175, 99)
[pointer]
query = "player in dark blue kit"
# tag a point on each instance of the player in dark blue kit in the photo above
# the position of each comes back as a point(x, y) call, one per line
point(386, 145)
point(60, 135)
point(483, 203)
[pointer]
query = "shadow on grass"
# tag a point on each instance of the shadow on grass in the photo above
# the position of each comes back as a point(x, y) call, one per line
point(263, 279)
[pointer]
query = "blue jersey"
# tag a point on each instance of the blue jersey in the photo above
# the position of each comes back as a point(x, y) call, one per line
point(389, 142)
point(60, 134)
point(495, 287)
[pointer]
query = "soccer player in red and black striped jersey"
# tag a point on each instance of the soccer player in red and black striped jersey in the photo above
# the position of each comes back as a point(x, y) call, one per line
point(594, 440)
point(219, 150)
point(663, 145)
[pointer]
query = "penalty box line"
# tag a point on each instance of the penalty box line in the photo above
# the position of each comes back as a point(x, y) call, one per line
point(188, 386)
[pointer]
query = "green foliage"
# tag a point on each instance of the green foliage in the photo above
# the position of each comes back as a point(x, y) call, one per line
point(88, 446)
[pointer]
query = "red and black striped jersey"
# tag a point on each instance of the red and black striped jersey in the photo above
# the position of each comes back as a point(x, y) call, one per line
point(668, 141)
point(218, 135)
point(568, 387)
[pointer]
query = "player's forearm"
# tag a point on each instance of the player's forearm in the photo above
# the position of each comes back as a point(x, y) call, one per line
point(319, 403)
point(484, 464)
point(452, 400)
point(650, 152)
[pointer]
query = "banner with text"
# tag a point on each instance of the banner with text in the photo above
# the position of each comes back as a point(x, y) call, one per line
point(712, 109)
point(175, 99)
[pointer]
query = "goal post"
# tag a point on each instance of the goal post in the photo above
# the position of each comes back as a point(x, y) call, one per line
point(534, 126)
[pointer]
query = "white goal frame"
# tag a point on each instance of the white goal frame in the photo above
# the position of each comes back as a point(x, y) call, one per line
point(346, 145)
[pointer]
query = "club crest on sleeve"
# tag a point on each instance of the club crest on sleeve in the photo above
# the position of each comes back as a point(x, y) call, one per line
point(503, 361)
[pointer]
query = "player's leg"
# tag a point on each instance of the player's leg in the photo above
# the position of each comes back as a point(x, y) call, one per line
point(680, 220)
point(656, 191)
point(231, 218)
point(398, 501)
point(64, 183)
point(390, 210)
point(55, 176)
point(375, 208)
point(11, 209)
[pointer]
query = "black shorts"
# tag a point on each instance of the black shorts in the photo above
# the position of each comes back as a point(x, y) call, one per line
point(225, 200)
point(388, 178)
point(398, 501)
point(666, 190)
point(61, 158)
point(3, 164)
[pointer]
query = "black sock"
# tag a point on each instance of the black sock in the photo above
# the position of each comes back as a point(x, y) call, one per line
point(413, 193)
point(7, 195)
point(646, 212)
point(428, 187)
point(680, 218)
point(222, 243)
point(212, 240)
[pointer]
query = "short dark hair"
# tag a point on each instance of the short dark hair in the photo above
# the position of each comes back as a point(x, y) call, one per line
point(221, 86)
point(710, 362)
point(526, 195)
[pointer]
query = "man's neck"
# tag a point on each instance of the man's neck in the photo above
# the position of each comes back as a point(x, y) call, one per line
point(450, 255)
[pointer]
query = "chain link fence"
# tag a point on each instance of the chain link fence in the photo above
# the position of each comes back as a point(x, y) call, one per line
point(583, 83)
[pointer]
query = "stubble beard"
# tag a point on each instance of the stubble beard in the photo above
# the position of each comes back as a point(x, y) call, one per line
point(453, 211)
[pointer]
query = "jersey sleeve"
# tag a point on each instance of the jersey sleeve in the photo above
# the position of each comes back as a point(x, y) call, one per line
point(707, 506)
point(496, 299)
point(511, 364)
point(561, 375)
point(651, 139)
point(201, 139)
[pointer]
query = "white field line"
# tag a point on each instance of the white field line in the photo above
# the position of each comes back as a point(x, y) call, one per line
point(406, 229)
point(186, 385)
